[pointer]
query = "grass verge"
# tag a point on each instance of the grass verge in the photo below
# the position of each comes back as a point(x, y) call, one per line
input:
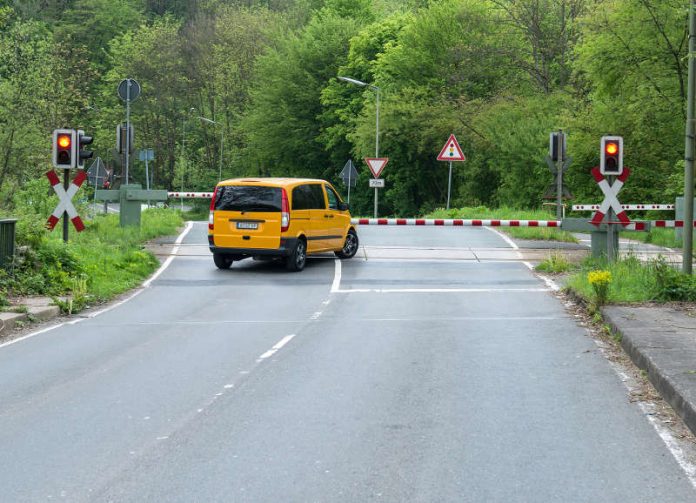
point(659, 237)
point(632, 281)
point(95, 265)
point(533, 233)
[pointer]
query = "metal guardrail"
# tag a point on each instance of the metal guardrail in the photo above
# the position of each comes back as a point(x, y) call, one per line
point(7, 240)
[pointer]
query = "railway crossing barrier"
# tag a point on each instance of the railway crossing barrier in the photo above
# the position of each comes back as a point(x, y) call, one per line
point(598, 232)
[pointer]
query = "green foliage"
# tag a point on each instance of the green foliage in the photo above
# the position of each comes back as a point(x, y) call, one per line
point(634, 281)
point(96, 264)
point(556, 263)
point(500, 74)
point(673, 285)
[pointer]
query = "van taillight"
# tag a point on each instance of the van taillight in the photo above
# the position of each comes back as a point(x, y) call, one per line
point(284, 212)
point(211, 216)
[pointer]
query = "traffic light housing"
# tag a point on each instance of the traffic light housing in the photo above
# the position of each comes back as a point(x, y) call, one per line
point(82, 154)
point(64, 148)
point(611, 156)
point(553, 146)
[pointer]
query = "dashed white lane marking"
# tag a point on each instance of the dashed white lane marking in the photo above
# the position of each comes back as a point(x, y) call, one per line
point(146, 284)
point(279, 345)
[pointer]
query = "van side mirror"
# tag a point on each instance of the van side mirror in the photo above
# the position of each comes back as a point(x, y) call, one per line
point(343, 206)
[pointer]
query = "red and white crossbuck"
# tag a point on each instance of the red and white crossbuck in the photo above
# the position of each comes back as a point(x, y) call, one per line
point(65, 205)
point(610, 197)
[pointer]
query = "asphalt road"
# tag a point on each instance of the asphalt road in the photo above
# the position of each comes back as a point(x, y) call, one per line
point(389, 377)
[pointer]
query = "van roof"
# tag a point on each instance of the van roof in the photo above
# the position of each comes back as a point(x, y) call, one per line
point(272, 182)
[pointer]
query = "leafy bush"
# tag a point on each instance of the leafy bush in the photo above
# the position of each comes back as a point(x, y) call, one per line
point(673, 285)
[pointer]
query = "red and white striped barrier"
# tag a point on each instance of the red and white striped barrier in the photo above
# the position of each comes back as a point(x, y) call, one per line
point(190, 195)
point(65, 204)
point(633, 226)
point(456, 222)
point(636, 207)
point(669, 224)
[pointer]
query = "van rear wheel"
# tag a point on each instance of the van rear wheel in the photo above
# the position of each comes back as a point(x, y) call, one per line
point(297, 259)
point(222, 261)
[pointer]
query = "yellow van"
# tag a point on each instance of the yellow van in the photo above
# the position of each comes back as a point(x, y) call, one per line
point(287, 218)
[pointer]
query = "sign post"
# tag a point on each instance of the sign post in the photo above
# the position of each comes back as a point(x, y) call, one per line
point(349, 175)
point(128, 90)
point(451, 152)
point(611, 207)
point(376, 165)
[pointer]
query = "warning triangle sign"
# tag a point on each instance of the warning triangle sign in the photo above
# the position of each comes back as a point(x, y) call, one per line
point(451, 151)
point(376, 164)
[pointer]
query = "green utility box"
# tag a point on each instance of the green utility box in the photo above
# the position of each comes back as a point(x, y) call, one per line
point(7, 240)
point(131, 197)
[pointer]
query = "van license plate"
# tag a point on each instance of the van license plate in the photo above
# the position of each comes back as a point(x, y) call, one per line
point(247, 225)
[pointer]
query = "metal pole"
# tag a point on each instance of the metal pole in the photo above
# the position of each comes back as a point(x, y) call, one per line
point(128, 127)
point(350, 172)
point(449, 185)
point(147, 178)
point(689, 147)
point(183, 165)
point(611, 253)
point(66, 185)
point(377, 145)
point(559, 176)
point(221, 144)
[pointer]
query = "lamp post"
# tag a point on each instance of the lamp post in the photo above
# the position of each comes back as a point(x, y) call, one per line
point(183, 156)
point(210, 121)
point(377, 98)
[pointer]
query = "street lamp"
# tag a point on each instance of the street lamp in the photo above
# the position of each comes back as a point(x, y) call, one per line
point(210, 121)
point(183, 156)
point(377, 96)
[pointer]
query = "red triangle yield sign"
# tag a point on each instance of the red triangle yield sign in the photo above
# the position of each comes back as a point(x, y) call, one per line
point(376, 164)
point(451, 151)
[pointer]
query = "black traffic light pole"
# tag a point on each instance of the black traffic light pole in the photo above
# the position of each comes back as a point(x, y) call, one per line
point(611, 253)
point(66, 185)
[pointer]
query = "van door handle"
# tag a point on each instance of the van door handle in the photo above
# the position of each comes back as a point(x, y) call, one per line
point(328, 216)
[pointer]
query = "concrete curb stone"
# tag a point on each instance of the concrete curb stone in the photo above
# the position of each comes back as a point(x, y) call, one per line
point(662, 342)
point(38, 309)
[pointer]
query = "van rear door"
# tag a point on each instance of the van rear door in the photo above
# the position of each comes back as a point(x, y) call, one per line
point(247, 216)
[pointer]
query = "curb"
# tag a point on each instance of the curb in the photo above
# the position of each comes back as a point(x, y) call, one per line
point(9, 321)
point(672, 391)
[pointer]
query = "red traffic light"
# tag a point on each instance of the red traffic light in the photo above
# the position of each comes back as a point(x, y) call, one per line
point(64, 141)
point(64, 148)
point(611, 156)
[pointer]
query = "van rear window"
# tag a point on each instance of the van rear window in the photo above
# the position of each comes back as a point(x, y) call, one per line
point(243, 198)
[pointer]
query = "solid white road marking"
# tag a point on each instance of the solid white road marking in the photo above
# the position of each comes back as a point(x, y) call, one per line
point(177, 243)
point(442, 290)
point(549, 282)
point(337, 276)
point(503, 237)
